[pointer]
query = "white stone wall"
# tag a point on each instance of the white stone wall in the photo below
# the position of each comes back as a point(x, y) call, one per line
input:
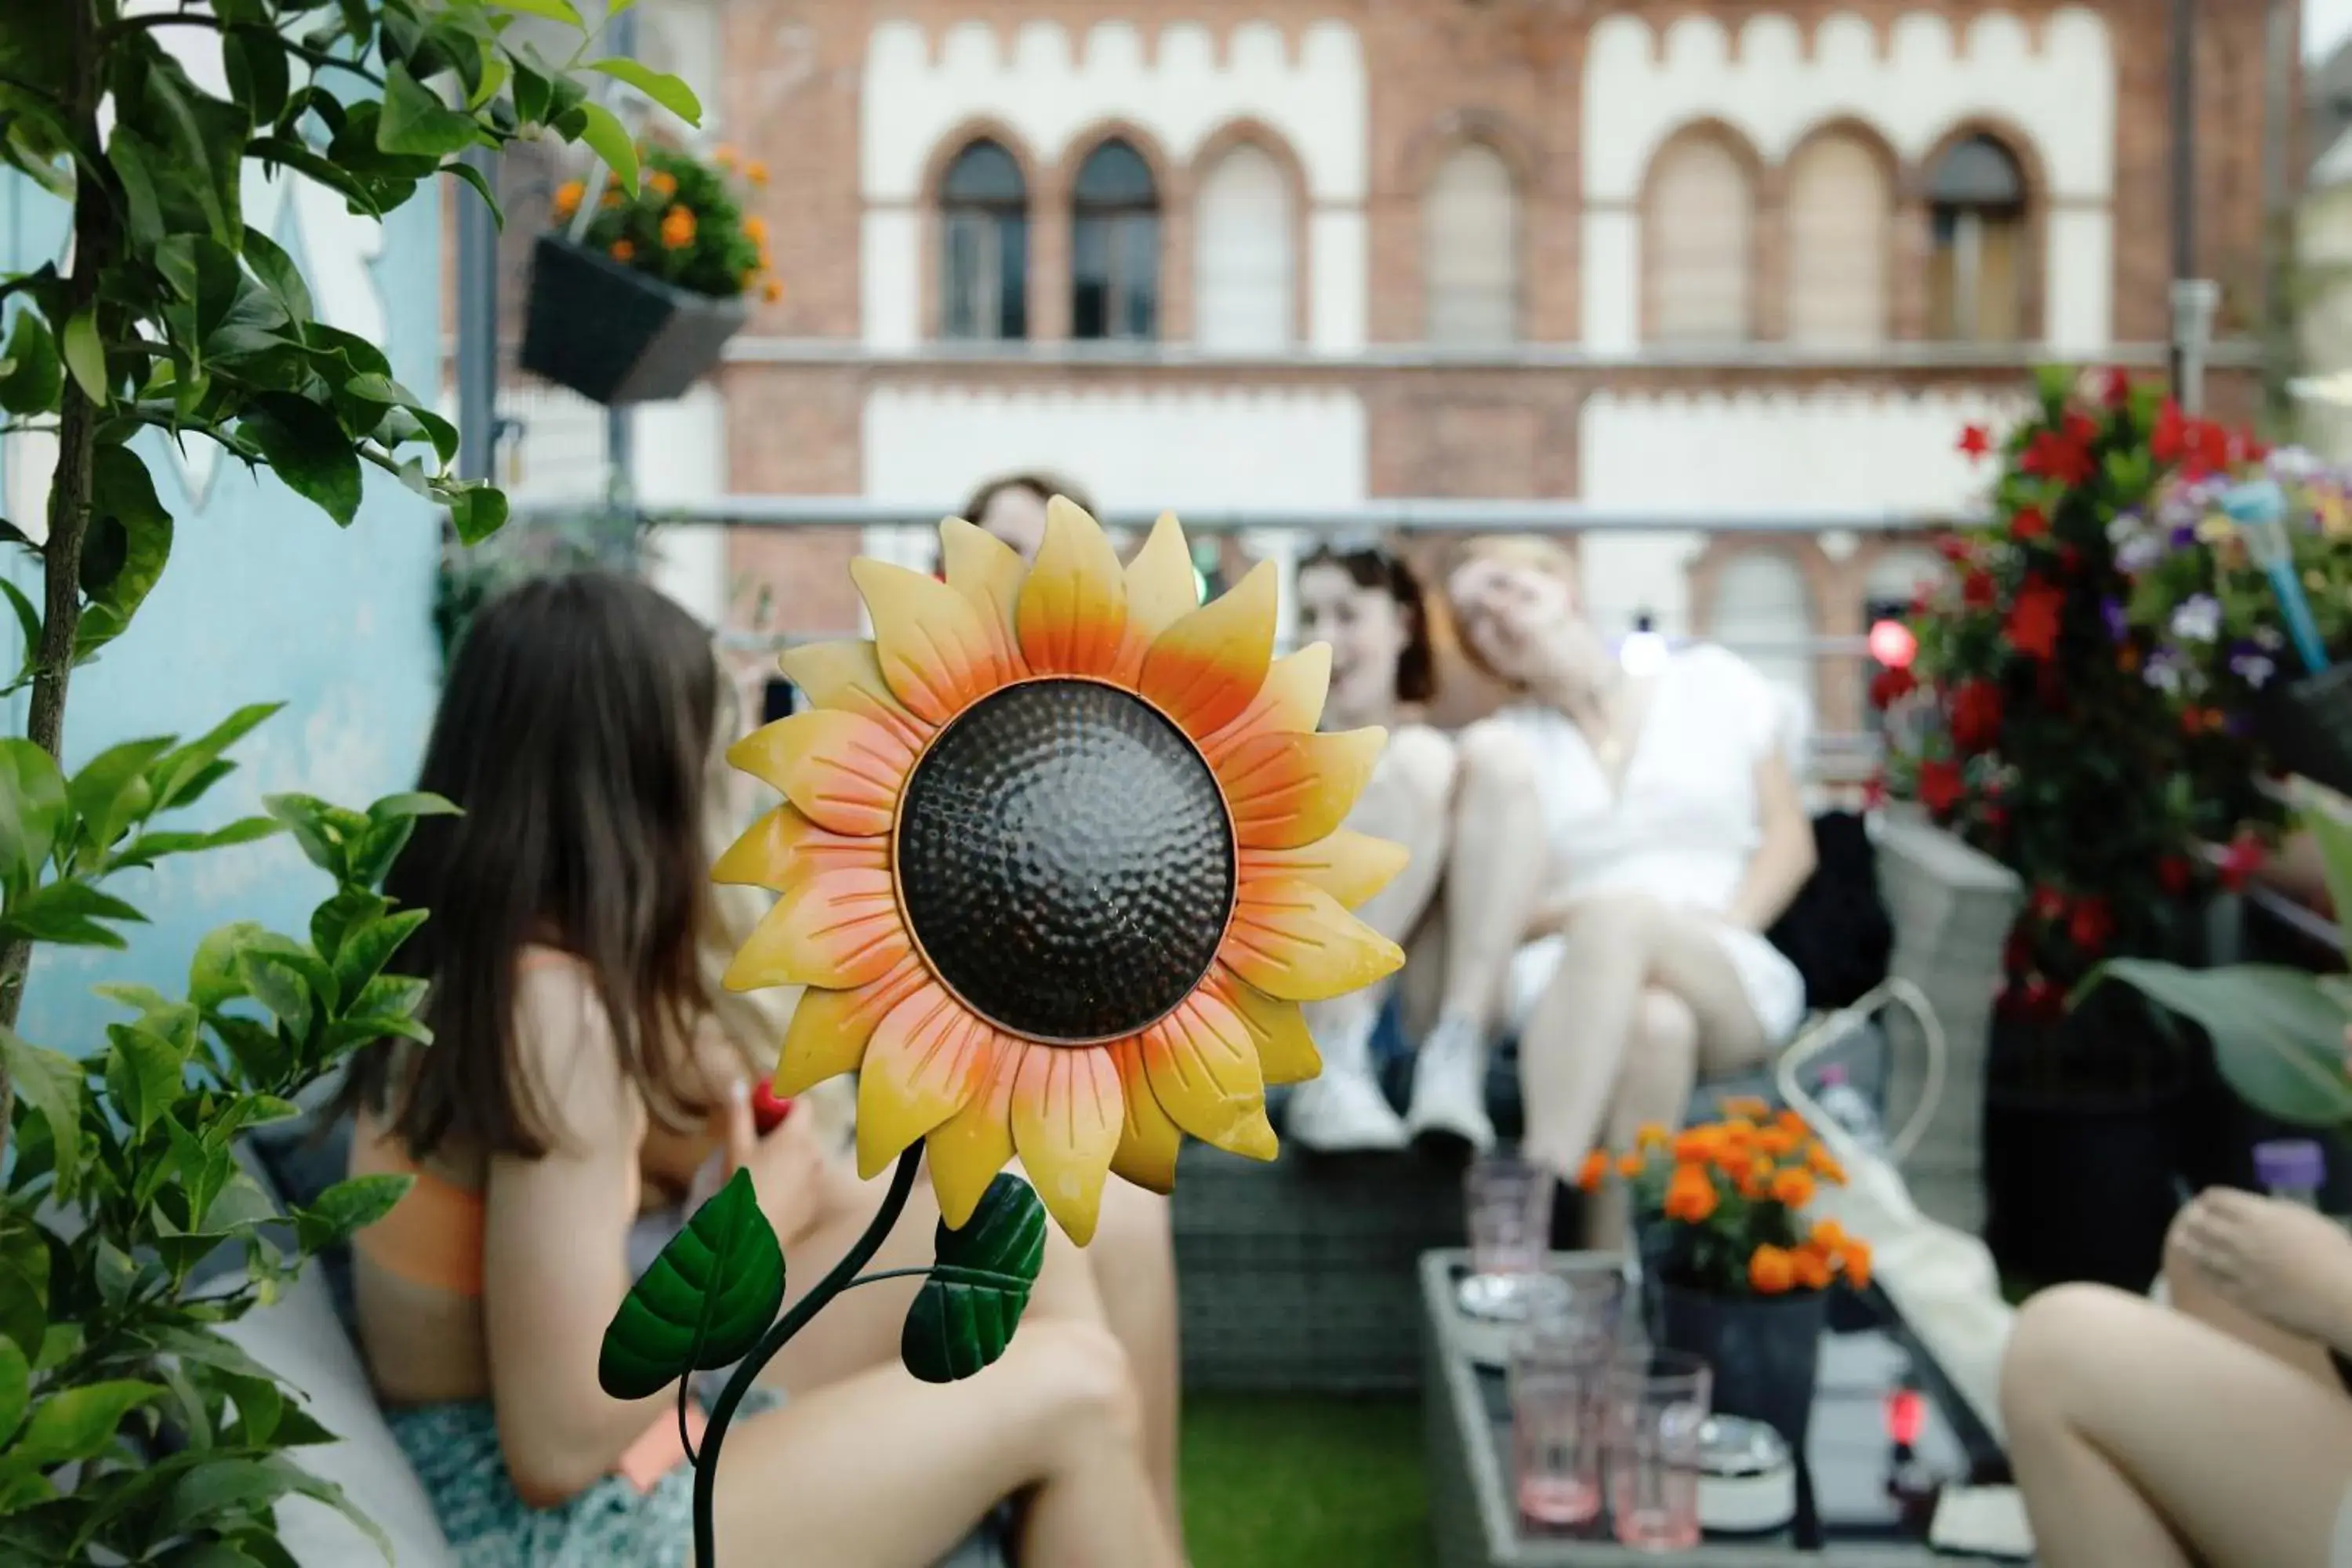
point(1049, 86)
point(2059, 95)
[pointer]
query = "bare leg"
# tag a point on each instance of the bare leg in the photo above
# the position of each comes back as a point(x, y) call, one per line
point(2192, 1294)
point(1133, 1260)
point(1406, 803)
point(1655, 1086)
point(881, 1471)
point(1493, 872)
point(2141, 1435)
point(1574, 1048)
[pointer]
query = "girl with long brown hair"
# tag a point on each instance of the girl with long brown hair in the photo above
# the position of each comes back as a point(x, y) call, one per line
point(583, 1067)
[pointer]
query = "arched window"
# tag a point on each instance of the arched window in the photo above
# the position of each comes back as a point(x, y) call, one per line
point(1840, 215)
point(1762, 610)
point(1115, 245)
point(1976, 209)
point(1700, 214)
point(1243, 292)
point(1471, 246)
point(1895, 578)
point(984, 232)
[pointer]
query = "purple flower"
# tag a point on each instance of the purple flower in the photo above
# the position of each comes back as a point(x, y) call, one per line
point(2251, 665)
point(2181, 537)
point(2163, 671)
point(2198, 618)
point(2111, 611)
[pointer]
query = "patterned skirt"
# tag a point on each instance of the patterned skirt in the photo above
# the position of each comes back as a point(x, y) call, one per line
point(454, 1448)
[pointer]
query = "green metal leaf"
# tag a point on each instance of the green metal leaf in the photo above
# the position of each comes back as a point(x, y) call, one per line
point(704, 1303)
point(964, 1316)
point(2278, 1036)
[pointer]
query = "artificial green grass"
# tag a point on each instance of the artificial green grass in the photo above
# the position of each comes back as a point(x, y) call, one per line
point(1283, 1481)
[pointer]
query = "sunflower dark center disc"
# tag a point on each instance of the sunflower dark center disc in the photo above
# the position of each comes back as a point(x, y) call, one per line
point(1066, 860)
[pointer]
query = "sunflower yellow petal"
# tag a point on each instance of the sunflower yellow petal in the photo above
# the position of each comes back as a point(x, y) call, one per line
point(829, 1030)
point(1293, 941)
point(1349, 866)
point(1286, 791)
point(1067, 1118)
point(844, 772)
point(1072, 617)
point(1149, 1142)
point(1286, 1049)
point(1291, 701)
point(783, 848)
point(846, 676)
point(988, 572)
point(1206, 670)
point(965, 1151)
point(1160, 587)
point(934, 648)
point(922, 1065)
point(839, 929)
point(1204, 1072)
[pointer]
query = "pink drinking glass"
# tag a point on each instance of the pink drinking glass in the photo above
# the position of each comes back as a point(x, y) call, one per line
point(1657, 1408)
point(1508, 1205)
point(1561, 1375)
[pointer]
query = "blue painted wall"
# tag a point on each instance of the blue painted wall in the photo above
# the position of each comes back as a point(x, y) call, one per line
point(265, 600)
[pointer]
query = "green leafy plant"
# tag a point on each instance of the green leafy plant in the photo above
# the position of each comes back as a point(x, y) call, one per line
point(685, 224)
point(132, 1429)
point(2277, 1032)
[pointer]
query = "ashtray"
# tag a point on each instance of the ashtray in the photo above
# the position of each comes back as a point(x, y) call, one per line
point(1748, 1477)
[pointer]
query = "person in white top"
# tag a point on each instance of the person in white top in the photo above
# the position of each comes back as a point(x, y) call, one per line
point(1620, 844)
point(1367, 605)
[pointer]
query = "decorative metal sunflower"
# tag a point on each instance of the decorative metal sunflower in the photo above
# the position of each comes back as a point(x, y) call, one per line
point(1059, 857)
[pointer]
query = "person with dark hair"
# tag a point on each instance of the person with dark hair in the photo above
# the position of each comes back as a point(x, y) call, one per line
point(584, 1060)
point(1013, 508)
point(1365, 602)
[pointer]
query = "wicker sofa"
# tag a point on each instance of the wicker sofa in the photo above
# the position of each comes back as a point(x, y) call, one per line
point(1299, 1275)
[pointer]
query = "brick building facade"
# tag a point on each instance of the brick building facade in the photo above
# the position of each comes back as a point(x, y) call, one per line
point(1683, 261)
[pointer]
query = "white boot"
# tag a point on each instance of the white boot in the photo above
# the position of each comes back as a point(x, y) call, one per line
point(1342, 1111)
point(1449, 1086)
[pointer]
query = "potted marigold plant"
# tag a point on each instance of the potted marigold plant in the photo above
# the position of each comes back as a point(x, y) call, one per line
point(2039, 739)
point(1736, 1272)
point(633, 296)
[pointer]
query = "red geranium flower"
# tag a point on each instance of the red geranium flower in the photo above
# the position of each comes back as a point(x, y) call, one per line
point(2091, 924)
point(2027, 522)
point(2240, 861)
point(1873, 792)
point(2114, 387)
point(1953, 548)
point(1940, 786)
point(1890, 686)
point(1977, 590)
point(2058, 455)
point(2032, 624)
point(2041, 999)
point(2168, 438)
point(1975, 715)
point(2173, 873)
point(1974, 440)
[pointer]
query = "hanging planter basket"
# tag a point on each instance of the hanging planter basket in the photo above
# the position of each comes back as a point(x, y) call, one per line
point(2307, 727)
point(617, 335)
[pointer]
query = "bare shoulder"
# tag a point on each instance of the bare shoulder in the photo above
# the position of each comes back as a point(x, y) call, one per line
point(564, 1049)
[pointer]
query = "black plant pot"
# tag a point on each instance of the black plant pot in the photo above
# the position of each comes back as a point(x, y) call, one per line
point(2306, 726)
point(1765, 1350)
point(2079, 1181)
point(615, 335)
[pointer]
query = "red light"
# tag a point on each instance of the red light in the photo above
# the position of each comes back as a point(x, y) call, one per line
point(1892, 644)
point(1906, 1412)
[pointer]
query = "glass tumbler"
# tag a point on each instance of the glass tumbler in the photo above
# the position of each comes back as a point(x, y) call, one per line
point(1560, 1377)
point(1507, 1201)
point(1658, 1406)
